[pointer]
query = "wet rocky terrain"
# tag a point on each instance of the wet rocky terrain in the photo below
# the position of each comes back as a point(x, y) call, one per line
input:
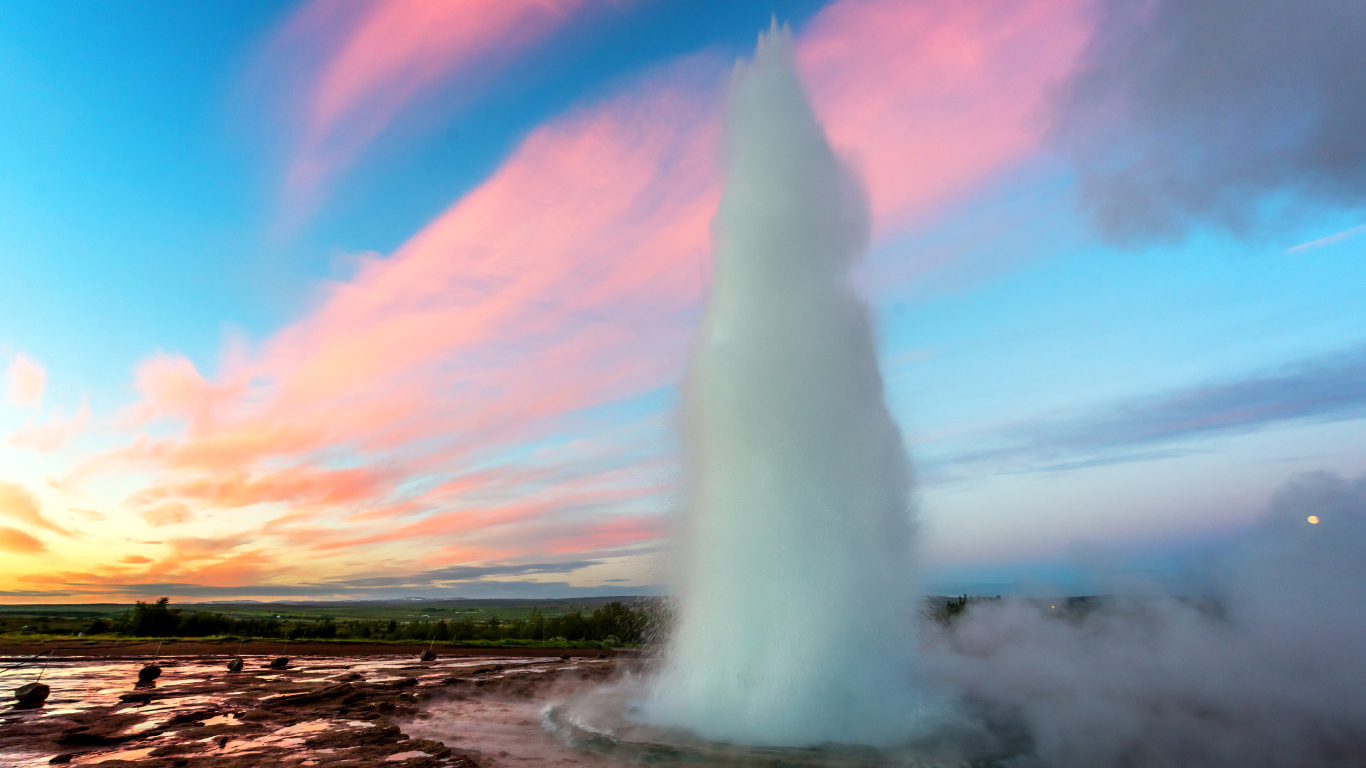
point(339, 712)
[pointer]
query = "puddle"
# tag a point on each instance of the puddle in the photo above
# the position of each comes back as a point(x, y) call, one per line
point(81, 685)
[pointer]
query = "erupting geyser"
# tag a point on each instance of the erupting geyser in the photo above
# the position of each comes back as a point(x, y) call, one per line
point(796, 605)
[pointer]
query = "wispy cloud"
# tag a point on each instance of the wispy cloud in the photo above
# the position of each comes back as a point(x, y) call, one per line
point(462, 573)
point(357, 65)
point(18, 503)
point(16, 541)
point(26, 380)
point(1329, 240)
point(1327, 388)
point(451, 581)
point(52, 434)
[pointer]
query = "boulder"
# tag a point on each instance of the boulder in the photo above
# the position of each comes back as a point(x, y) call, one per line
point(148, 673)
point(31, 695)
point(279, 663)
point(234, 665)
point(427, 655)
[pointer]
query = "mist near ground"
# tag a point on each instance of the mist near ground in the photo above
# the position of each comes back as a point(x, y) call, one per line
point(1267, 670)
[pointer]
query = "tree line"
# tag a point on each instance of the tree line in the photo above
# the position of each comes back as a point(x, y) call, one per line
point(613, 623)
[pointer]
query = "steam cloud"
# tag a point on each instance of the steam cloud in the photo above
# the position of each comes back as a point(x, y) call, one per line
point(1185, 112)
point(1270, 676)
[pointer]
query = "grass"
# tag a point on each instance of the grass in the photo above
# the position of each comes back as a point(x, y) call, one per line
point(76, 617)
point(23, 638)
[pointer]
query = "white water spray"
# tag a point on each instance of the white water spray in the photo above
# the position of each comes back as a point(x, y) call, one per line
point(796, 605)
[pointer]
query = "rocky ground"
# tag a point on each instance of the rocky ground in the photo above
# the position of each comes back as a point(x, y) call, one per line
point(342, 712)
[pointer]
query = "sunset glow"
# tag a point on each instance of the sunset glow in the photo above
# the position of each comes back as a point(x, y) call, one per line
point(392, 298)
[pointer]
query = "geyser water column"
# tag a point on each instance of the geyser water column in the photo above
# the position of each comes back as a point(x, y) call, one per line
point(796, 601)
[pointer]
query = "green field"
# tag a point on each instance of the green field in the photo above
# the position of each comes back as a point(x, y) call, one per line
point(456, 620)
point(14, 616)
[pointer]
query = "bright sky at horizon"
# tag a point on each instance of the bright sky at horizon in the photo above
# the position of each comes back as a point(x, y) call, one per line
point(389, 298)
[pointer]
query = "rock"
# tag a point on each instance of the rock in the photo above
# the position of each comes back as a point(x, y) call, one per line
point(103, 735)
point(279, 663)
point(193, 717)
point(427, 655)
point(564, 657)
point(235, 665)
point(148, 673)
point(136, 698)
point(31, 695)
point(310, 697)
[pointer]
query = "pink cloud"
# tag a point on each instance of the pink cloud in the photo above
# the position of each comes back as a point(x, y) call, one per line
point(169, 513)
point(931, 99)
point(51, 435)
point(26, 380)
point(569, 280)
point(372, 59)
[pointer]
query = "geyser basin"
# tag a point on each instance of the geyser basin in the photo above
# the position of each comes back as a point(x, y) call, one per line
point(606, 722)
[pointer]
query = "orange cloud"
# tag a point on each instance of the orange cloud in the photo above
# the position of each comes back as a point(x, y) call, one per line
point(14, 540)
point(26, 380)
point(170, 513)
point(373, 59)
point(18, 503)
point(135, 559)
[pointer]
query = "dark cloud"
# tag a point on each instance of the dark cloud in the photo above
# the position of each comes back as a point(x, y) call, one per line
point(484, 588)
point(452, 581)
point(34, 593)
point(1187, 111)
point(1328, 388)
point(463, 573)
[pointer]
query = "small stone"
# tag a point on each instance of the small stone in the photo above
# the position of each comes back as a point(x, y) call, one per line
point(148, 673)
point(235, 665)
point(565, 657)
point(279, 663)
point(427, 655)
point(31, 695)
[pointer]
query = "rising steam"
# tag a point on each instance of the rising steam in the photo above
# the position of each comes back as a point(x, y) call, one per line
point(1267, 674)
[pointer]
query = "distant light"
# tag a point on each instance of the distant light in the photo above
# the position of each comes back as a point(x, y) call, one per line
point(1054, 607)
point(1313, 519)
